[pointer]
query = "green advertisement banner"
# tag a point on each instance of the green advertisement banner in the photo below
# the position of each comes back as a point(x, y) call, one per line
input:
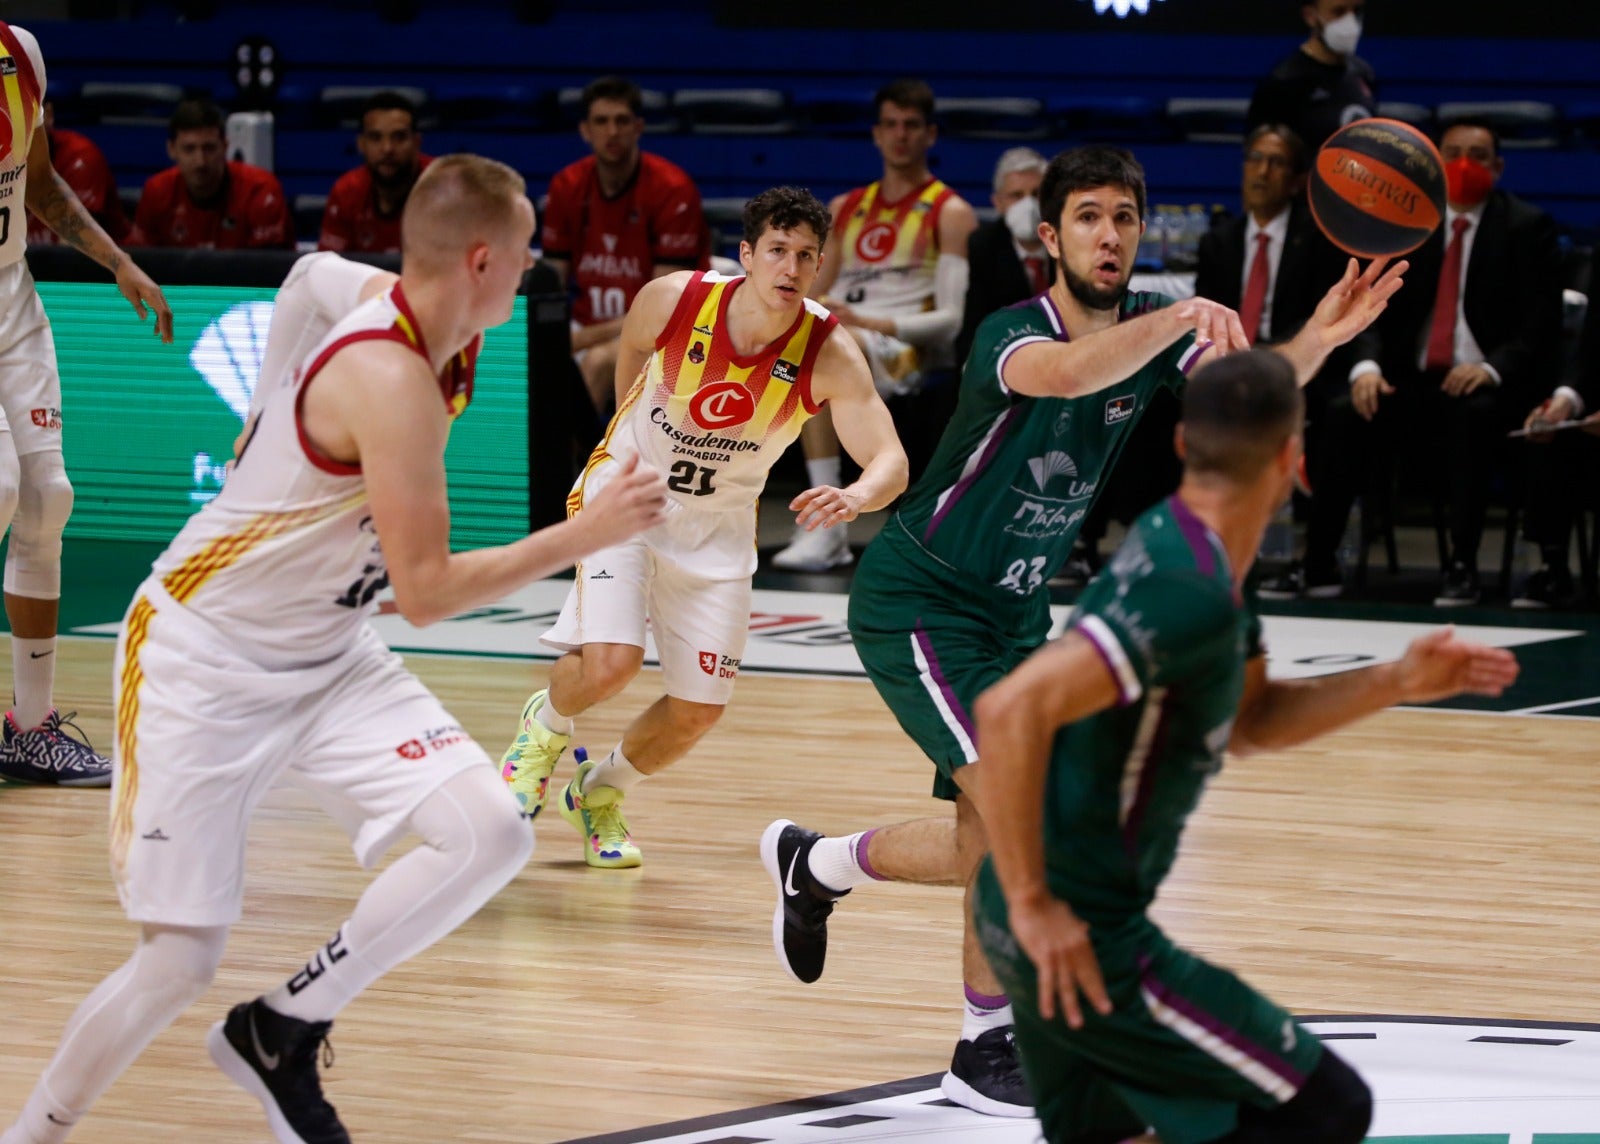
point(150, 427)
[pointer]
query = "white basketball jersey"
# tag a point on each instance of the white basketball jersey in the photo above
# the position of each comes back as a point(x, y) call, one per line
point(319, 290)
point(712, 420)
point(22, 90)
point(284, 563)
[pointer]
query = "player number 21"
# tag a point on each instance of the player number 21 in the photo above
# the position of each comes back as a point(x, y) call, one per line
point(1032, 569)
point(690, 478)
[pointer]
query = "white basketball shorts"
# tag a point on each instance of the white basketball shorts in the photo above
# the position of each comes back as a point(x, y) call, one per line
point(203, 734)
point(30, 384)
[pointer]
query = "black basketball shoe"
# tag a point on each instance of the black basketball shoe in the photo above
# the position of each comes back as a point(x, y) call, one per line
point(986, 1076)
point(800, 923)
point(274, 1059)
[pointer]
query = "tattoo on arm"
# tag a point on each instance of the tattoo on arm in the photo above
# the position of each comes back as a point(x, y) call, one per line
point(63, 213)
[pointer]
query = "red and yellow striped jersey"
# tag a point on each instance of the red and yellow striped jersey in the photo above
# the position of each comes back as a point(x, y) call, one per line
point(713, 420)
point(890, 249)
point(22, 87)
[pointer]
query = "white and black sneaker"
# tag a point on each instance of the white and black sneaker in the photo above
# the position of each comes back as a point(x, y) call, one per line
point(800, 922)
point(46, 754)
point(986, 1076)
point(274, 1059)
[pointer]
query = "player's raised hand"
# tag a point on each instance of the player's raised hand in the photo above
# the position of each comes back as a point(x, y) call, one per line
point(632, 501)
point(140, 290)
point(1354, 302)
point(1438, 665)
point(1056, 940)
point(824, 506)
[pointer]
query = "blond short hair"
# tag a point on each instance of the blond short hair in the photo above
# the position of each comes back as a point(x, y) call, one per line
point(458, 201)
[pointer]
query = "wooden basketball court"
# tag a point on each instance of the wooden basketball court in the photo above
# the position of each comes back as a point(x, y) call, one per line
point(1425, 862)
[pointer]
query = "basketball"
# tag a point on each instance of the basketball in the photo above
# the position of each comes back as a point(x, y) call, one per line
point(1377, 188)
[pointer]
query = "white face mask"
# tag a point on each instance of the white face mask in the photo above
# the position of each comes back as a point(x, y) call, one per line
point(1343, 34)
point(1022, 219)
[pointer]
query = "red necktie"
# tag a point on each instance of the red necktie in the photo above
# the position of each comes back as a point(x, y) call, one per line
point(1034, 265)
point(1442, 334)
point(1255, 290)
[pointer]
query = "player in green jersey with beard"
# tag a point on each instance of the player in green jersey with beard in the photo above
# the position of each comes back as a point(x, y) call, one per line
point(950, 596)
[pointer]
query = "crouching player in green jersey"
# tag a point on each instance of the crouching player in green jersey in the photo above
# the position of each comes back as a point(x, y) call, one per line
point(1096, 751)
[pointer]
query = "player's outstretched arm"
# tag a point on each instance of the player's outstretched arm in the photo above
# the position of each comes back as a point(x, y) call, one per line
point(1017, 720)
point(843, 379)
point(1351, 305)
point(1274, 714)
point(376, 404)
point(1109, 357)
point(53, 202)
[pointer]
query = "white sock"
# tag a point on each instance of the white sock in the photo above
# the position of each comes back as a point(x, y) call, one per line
point(841, 864)
point(473, 843)
point(823, 471)
point(982, 1013)
point(613, 771)
point(33, 678)
point(552, 720)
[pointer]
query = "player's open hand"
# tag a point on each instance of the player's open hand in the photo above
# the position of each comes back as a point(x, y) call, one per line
point(141, 291)
point(824, 506)
point(1354, 302)
point(1439, 665)
point(632, 501)
point(1056, 940)
point(1213, 323)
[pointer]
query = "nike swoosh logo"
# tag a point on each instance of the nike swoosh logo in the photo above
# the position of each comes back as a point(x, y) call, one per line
point(51, 1117)
point(788, 881)
point(269, 1060)
point(40, 655)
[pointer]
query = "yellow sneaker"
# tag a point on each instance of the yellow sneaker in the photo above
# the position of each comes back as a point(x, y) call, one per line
point(531, 759)
point(597, 815)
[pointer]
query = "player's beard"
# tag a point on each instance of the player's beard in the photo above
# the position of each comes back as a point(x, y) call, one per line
point(1091, 296)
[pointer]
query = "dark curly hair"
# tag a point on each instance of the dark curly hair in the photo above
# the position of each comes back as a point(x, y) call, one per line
point(784, 208)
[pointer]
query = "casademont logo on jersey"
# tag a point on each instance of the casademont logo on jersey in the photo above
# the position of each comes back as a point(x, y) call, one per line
point(875, 243)
point(721, 405)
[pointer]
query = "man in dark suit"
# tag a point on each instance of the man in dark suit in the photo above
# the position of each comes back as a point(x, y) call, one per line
point(1272, 265)
point(1007, 260)
point(1563, 469)
point(1471, 341)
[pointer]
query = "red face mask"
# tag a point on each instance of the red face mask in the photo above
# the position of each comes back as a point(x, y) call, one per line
point(1467, 182)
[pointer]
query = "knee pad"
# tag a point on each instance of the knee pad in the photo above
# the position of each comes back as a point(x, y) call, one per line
point(44, 502)
point(1334, 1106)
point(177, 964)
point(475, 814)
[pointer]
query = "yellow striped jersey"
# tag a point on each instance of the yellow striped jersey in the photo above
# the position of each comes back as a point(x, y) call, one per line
point(890, 248)
point(22, 89)
point(712, 420)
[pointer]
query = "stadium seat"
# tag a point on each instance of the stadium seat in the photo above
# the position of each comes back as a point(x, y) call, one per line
point(734, 111)
point(1416, 114)
point(725, 217)
point(1208, 120)
point(1522, 123)
point(991, 118)
point(307, 210)
point(492, 106)
point(1126, 119)
point(139, 104)
point(340, 105)
point(836, 110)
point(659, 117)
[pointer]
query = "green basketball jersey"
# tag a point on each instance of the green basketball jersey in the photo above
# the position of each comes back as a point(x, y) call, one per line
point(1013, 477)
point(1166, 618)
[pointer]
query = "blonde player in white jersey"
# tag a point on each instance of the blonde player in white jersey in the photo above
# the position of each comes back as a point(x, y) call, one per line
point(246, 656)
point(715, 377)
point(35, 495)
point(896, 277)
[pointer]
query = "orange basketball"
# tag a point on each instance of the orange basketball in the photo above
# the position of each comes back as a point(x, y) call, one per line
point(1377, 188)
